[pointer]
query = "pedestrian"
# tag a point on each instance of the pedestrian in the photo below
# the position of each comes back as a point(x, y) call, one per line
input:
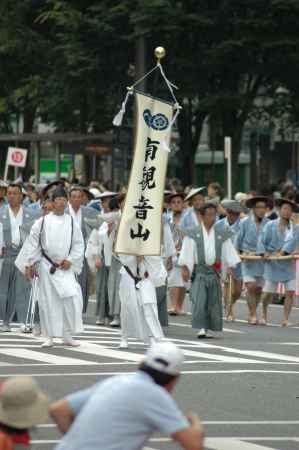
point(139, 313)
point(22, 406)
point(168, 252)
point(253, 271)
point(176, 284)
point(232, 284)
point(192, 216)
point(214, 191)
point(56, 244)
point(278, 238)
point(14, 288)
point(204, 249)
point(123, 412)
point(79, 212)
point(3, 190)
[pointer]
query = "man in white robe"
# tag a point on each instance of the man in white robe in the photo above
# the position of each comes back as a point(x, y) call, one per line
point(56, 244)
point(206, 247)
point(139, 314)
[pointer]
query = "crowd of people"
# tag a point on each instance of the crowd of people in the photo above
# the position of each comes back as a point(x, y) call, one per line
point(53, 242)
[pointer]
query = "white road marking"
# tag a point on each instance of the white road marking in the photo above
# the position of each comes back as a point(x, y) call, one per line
point(93, 349)
point(291, 327)
point(219, 357)
point(284, 343)
point(220, 422)
point(228, 330)
point(246, 438)
point(262, 354)
point(250, 422)
point(184, 372)
point(232, 444)
point(219, 443)
point(44, 357)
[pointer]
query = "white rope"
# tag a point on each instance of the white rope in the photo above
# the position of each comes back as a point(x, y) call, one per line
point(169, 84)
point(117, 121)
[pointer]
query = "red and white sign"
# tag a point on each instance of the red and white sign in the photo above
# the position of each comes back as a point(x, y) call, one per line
point(16, 157)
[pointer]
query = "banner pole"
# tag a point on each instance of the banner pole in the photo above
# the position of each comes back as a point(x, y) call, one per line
point(5, 172)
point(228, 157)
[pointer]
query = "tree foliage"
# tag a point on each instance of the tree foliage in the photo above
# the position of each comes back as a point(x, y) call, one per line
point(68, 61)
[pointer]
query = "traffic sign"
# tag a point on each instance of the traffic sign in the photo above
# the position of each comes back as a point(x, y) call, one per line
point(16, 157)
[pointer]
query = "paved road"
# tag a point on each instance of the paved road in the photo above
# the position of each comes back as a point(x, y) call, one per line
point(243, 385)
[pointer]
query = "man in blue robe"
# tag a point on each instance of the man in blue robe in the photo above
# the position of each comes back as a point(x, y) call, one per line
point(253, 271)
point(279, 238)
point(232, 284)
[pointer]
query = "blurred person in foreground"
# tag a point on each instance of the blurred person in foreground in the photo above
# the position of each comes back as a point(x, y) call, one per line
point(124, 411)
point(22, 406)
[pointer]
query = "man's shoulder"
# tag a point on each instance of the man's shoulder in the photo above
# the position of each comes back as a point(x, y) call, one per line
point(4, 212)
point(193, 232)
point(223, 231)
point(88, 211)
point(32, 213)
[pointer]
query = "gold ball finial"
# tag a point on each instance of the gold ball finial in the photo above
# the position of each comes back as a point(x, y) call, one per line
point(160, 52)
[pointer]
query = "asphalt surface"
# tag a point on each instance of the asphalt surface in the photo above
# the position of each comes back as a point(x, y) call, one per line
point(243, 385)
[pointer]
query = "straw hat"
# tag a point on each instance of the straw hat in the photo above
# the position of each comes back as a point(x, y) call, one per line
point(281, 201)
point(176, 194)
point(251, 202)
point(201, 190)
point(22, 404)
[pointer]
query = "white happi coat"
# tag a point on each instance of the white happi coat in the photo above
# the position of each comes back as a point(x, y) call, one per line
point(139, 314)
point(188, 256)
point(59, 294)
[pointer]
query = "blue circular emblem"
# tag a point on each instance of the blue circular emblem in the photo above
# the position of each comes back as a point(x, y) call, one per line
point(157, 122)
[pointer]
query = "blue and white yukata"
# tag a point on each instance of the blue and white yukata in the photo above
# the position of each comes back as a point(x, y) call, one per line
point(252, 271)
point(201, 250)
point(273, 240)
point(235, 228)
point(189, 219)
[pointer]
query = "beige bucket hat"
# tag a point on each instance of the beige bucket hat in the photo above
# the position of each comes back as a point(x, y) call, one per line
point(22, 404)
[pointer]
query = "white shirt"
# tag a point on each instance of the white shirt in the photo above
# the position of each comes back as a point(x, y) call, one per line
point(1, 238)
point(15, 222)
point(209, 245)
point(188, 256)
point(77, 216)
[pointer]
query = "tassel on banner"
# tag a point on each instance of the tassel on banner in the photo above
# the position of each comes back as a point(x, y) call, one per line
point(118, 119)
point(164, 145)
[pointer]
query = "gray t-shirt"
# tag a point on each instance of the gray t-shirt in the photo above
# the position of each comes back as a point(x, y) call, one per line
point(120, 413)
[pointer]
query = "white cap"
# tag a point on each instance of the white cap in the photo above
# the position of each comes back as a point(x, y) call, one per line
point(165, 357)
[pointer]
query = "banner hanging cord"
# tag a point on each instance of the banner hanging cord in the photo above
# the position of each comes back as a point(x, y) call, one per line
point(117, 121)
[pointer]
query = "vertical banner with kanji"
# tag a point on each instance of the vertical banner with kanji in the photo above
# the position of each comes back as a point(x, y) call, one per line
point(139, 231)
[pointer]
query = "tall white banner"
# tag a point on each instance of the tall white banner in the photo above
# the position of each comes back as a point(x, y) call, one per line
point(139, 231)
